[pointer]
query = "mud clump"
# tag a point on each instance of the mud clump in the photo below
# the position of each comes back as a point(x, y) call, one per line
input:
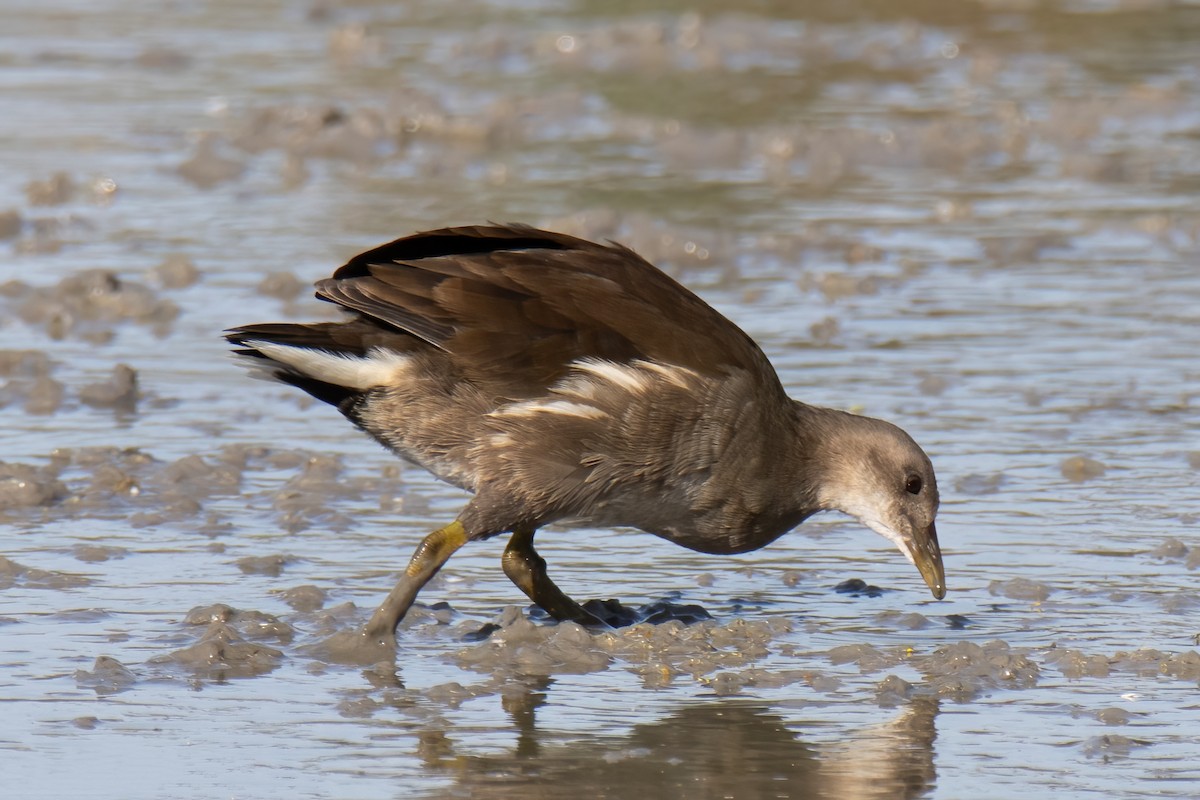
point(856, 587)
point(1076, 664)
point(141, 490)
point(222, 653)
point(250, 624)
point(29, 382)
point(107, 676)
point(965, 670)
point(538, 650)
point(126, 482)
point(10, 224)
point(199, 477)
point(119, 392)
point(207, 166)
point(911, 621)
point(59, 188)
point(866, 657)
point(88, 305)
point(23, 486)
point(1111, 746)
point(719, 657)
point(306, 498)
point(894, 691)
point(271, 566)
point(357, 135)
point(1081, 468)
point(44, 397)
point(282, 285)
point(166, 59)
point(1020, 589)
point(94, 554)
point(1172, 549)
point(14, 574)
point(305, 598)
point(23, 363)
point(176, 271)
point(1148, 662)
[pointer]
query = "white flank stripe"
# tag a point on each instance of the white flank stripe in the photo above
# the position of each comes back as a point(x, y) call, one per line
point(567, 408)
point(579, 387)
point(628, 378)
point(377, 368)
point(564, 407)
point(680, 376)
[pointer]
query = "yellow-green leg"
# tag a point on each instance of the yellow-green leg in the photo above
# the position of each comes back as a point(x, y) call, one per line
point(429, 557)
point(527, 570)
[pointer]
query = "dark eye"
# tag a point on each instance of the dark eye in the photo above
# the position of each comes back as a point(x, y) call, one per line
point(913, 484)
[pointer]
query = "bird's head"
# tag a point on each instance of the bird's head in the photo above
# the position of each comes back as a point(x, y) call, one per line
point(876, 473)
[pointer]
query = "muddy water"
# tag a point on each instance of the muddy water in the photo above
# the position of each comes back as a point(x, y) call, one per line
point(979, 220)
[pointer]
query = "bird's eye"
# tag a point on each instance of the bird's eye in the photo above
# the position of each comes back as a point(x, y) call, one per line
point(913, 484)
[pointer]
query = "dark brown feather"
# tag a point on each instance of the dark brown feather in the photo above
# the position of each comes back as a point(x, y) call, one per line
point(514, 306)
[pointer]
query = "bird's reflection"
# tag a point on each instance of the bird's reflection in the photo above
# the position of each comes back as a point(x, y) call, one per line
point(705, 749)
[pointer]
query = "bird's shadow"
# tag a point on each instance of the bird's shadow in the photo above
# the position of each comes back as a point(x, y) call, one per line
point(718, 747)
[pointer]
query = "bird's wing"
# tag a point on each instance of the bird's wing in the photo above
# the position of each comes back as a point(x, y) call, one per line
point(516, 305)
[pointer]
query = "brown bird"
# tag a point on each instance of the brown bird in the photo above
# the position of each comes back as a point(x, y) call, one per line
point(562, 380)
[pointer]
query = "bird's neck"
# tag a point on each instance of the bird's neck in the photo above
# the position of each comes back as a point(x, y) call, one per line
point(818, 442)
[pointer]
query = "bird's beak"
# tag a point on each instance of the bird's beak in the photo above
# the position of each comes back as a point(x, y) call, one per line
point(925, 553)
point(919, 545)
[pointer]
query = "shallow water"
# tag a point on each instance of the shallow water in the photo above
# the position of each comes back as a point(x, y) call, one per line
point(978, 220)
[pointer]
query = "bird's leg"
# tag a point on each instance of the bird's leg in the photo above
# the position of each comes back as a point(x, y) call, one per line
point(527, 570)
point(429, 557)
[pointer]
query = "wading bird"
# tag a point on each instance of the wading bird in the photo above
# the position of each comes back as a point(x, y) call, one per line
point(561, 380)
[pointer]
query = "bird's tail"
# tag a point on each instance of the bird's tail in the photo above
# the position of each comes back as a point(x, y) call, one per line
point(335, 362)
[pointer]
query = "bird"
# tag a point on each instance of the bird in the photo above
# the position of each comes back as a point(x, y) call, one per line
point(560, 380)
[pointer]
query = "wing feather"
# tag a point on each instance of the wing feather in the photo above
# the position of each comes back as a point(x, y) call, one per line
point(515, 306)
